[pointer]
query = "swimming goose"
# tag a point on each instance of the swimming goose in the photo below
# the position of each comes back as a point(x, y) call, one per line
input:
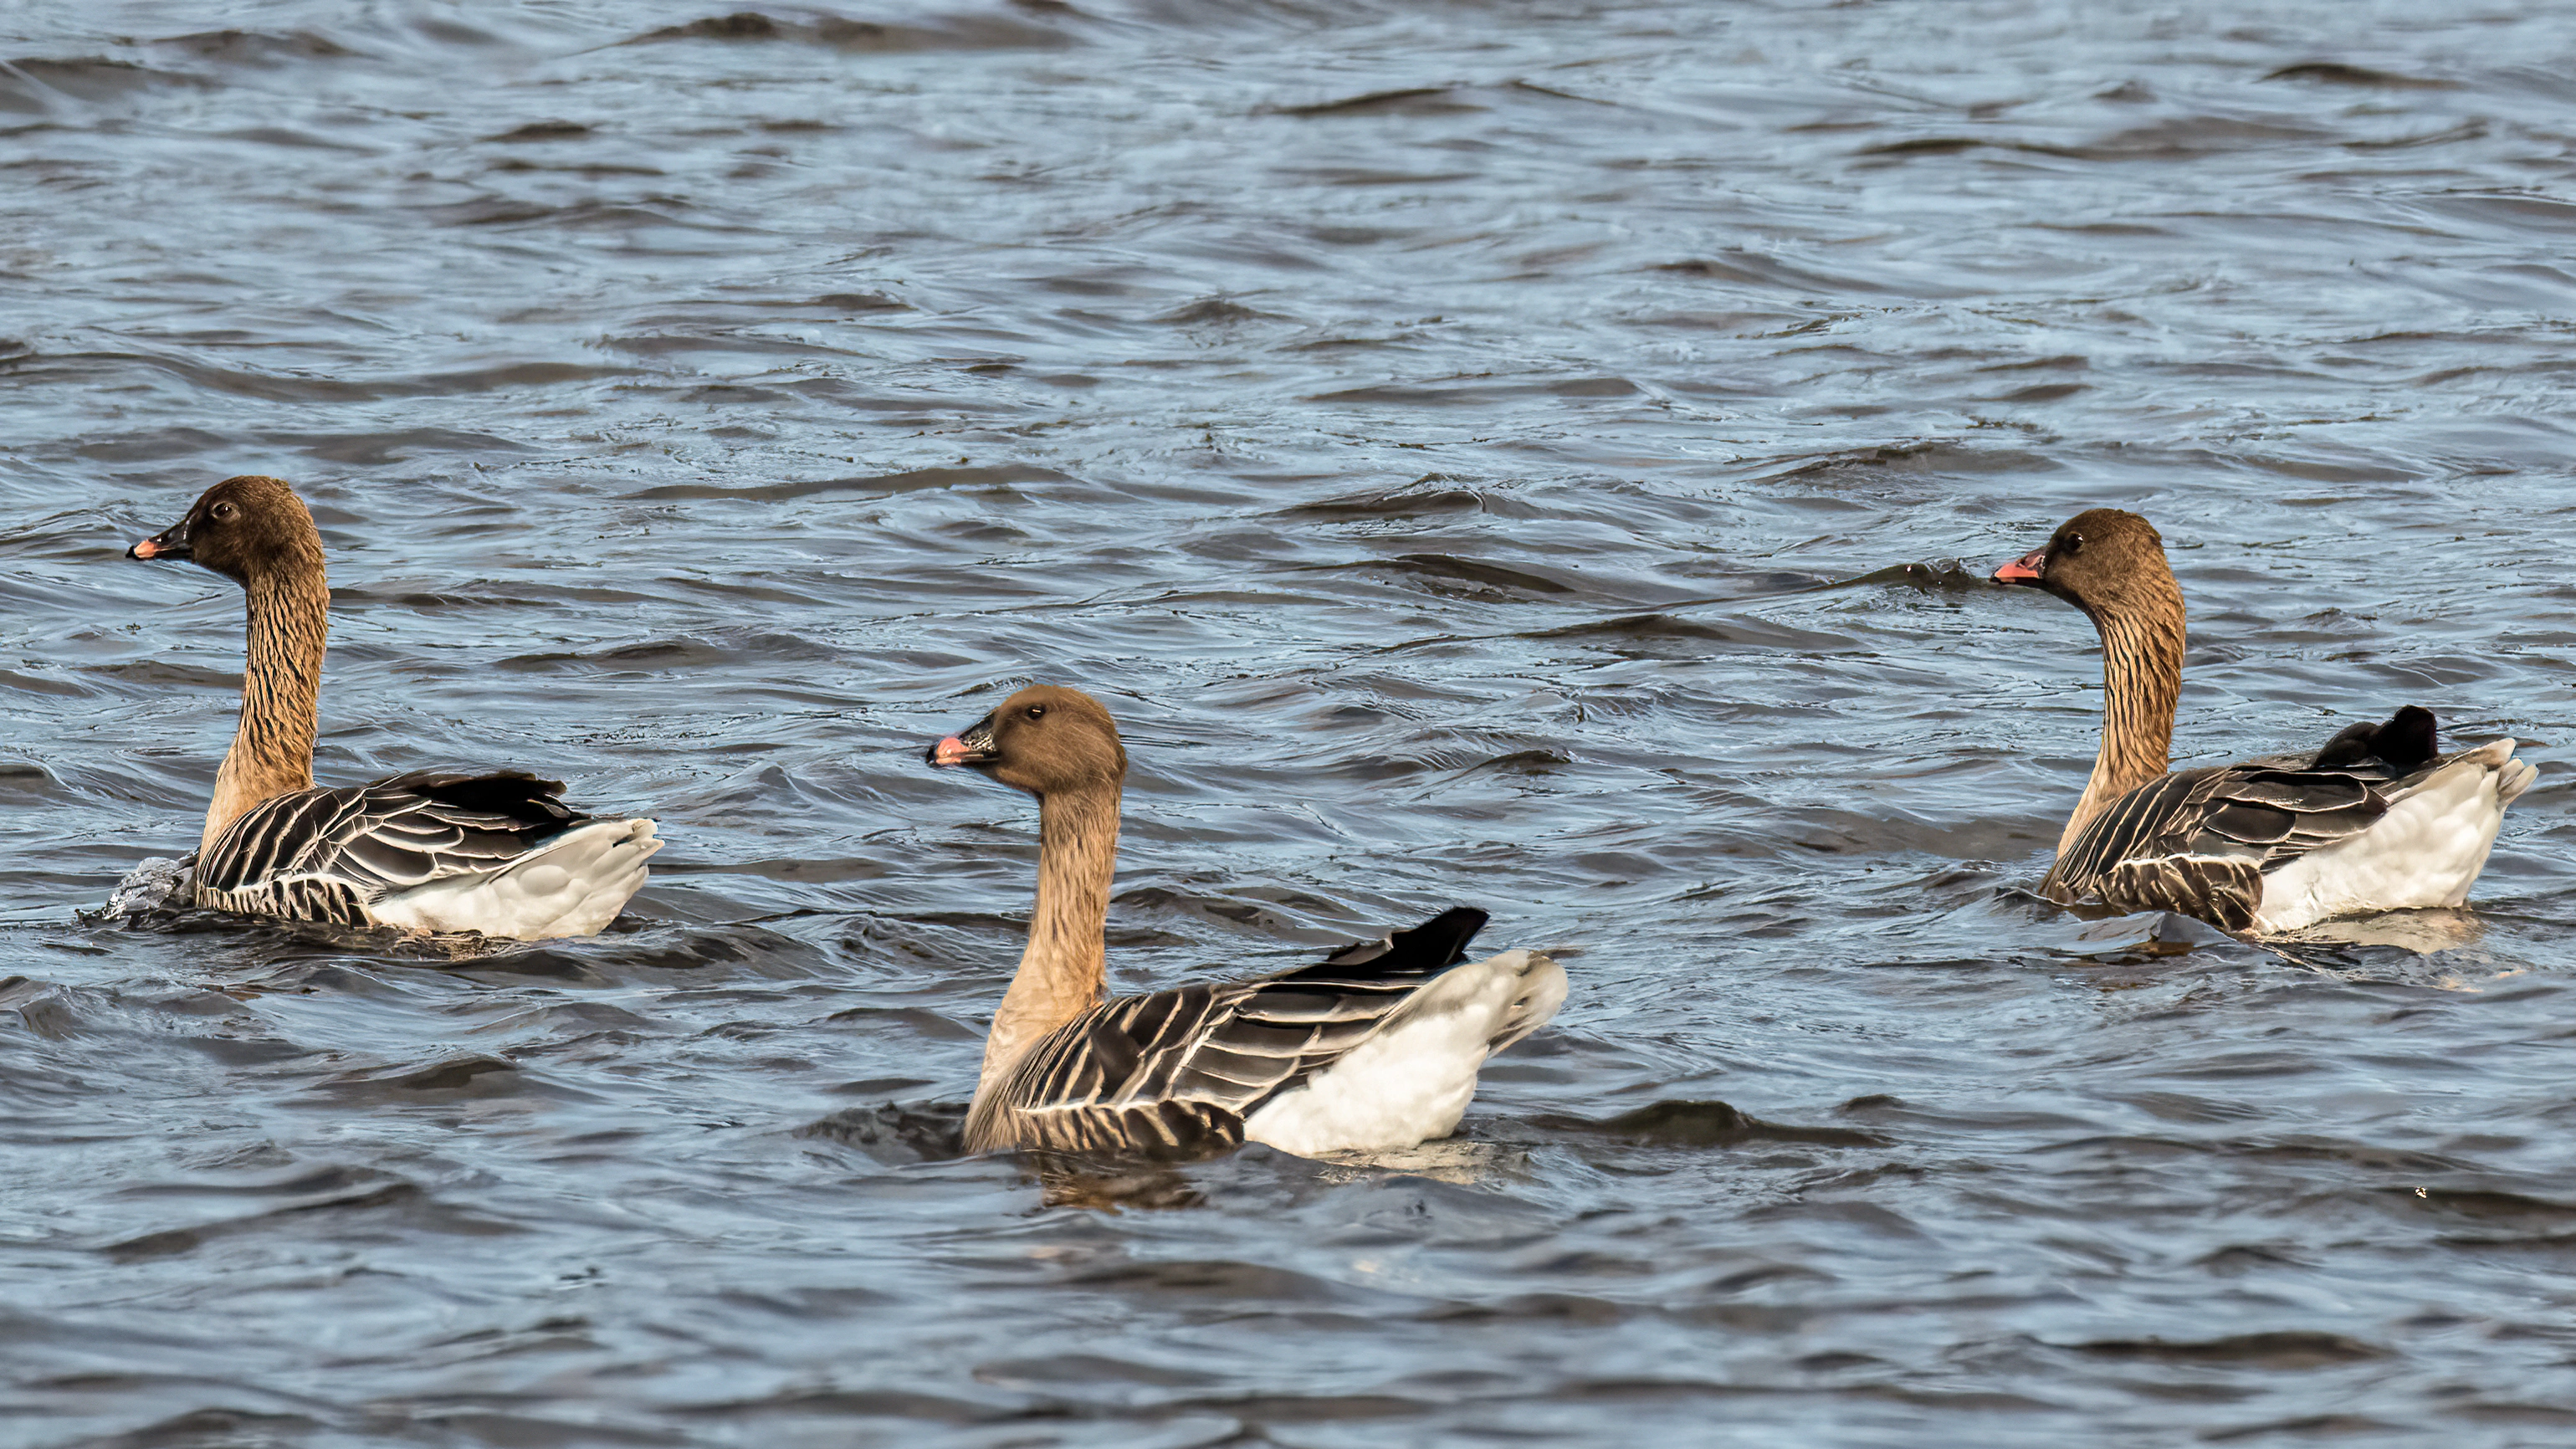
point(1374, 1049)
point(433, 850)
point(2376, 820)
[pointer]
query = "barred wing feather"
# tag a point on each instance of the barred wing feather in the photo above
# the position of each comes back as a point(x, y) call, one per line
point(330, 855)
point(1175, 1073)
point(2201, 841)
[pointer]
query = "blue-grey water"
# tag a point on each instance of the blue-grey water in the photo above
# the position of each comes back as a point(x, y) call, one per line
point(1505, 454)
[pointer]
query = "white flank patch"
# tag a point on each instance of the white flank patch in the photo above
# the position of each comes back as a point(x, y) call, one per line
point(2426, 851)
point(572, 886)
point(1410, 1082)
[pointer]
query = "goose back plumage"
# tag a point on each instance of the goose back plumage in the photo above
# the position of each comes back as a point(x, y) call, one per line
point(352, 856)
point(2218, 843)
point(1186, 1072)
point(2200, 841)
point(1178, 1072)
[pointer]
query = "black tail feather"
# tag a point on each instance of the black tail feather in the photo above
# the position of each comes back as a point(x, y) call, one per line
point(511, 794)
point(1433, 946)
point(2405, 742)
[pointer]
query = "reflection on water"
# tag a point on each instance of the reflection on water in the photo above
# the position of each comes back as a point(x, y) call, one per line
point(1539, 457)
point(2428, 932)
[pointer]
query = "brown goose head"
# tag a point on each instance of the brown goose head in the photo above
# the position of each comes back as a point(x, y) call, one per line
point(2103, 561)
point(1046, 739)
point(248, 528)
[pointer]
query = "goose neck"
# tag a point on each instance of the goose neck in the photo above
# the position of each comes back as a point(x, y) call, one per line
point(2142, 648)
point(1063, 970)
point(272, 749)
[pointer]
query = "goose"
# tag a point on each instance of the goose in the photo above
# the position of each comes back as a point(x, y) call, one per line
point(1374, 1049)
point(2377, 819)
point(432, 850)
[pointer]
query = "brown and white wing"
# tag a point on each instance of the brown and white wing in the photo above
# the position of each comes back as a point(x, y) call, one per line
point(1175, 1073)
point(2200, 841)
point(329, 855)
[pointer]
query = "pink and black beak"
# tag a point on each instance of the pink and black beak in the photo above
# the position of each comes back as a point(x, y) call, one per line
point(2026, 569)
point(169, 543)
point(972, 746)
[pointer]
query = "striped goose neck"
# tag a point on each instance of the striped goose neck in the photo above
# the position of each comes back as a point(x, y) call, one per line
point(2142, 639)
point(272, 750)
point(1064, 969)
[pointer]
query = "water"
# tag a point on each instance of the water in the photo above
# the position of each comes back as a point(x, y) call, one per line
point(1503, 454)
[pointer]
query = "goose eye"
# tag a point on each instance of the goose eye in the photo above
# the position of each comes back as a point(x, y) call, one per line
point(1037, 711)
point(2074, 543)
point(225, 510)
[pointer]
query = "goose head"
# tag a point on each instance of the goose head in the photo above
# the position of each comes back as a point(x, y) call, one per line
point(1046, 740)
point(247, 529)
point(2104, 561)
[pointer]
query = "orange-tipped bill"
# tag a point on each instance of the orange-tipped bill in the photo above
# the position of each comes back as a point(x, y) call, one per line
point(2023, 570)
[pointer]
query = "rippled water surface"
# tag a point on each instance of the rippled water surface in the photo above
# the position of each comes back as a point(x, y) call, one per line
point(1490, 453)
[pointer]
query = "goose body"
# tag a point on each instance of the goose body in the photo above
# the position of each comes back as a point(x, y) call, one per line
point(2277, 845)
point(431, 850)
point(2374, 820)
point(1375, 1048)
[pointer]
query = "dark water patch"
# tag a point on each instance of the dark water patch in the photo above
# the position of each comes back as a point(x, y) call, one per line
point(389, 1206)
point(1774, 275)
point(2450, 135)
point(1948, 576)
point(1706, 1124)
point(1424, 497)
point(2337, 73)
point(2284, 1349)
point(1083, 1370)
point(34, 85)
point(844, 1405)
point(402, 445)
point(889, 483)
point(1221, 1280)
point(626, 219)
point(950, 33)
point(217, 1426)
point(858, 302)
point(893, 1134)
point(2315, 1426)
point(542, 131)
point(447, 1076)
point(1479, 389)
point(741, 25)
point(1411, 101)
point(1212, 312)
point(1926, 146)
point(258, 48)
point(2197, 138)
point(2484, 1205)
point(1960, 457)
point(1737, 631)
point(1472, 572)
point(2045, 392)
point(681, 655)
